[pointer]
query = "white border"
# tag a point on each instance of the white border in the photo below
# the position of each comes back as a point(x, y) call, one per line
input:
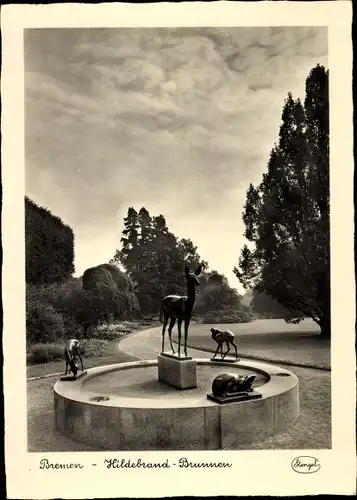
point(253, 472)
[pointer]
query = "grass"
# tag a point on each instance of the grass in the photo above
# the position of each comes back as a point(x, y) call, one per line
point(312, 430)
point(270, 339)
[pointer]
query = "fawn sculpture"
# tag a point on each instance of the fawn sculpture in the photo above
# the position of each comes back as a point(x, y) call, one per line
point(222, 337)
point(176, 307)
point(71, 353)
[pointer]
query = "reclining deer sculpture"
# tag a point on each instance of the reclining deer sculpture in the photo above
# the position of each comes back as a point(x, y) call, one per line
point(176, 307)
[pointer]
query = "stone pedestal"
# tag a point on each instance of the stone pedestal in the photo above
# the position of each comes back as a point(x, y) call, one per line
point(70, 378)
point(225, 360)
point(180, 372)
point(235, 398)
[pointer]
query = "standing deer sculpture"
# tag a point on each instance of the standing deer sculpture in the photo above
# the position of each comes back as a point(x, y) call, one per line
point(176, 307)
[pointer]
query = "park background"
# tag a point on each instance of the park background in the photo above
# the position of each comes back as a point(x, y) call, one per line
point(283, 264)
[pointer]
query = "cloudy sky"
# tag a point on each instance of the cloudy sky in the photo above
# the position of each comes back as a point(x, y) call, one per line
point(177, 120)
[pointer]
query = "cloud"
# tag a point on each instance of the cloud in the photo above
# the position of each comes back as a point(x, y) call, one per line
point(173, 119)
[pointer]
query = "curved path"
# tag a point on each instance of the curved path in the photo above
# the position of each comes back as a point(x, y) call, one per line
point(146, 344)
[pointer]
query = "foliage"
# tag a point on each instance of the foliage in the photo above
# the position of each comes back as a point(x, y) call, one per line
point(114, 331)
point(108, 295)
point(228, 315)
point(266, 307)
point(154, 258)
point(217, 295)
point(121, 280)
point(287, 215)
point(75, 309)
point(97, 276)
point(43, 323)
point(49, 246)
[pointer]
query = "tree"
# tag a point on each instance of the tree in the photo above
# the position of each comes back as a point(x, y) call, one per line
point(267, 307)
point(215, 293)
point(154, 258)
point(287, 215)
point(215, 278)
point(217, 296)
point(129, 241)
point(109, 294)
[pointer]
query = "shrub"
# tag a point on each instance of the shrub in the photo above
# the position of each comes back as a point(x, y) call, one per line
point(114, 331)
point(43, 323)
point(110, 292)
point(122, 280)
point(227, 315)
point(44, 353)
point(61, 298)
point(49, 352)
point(217, 295)
point(49, 246)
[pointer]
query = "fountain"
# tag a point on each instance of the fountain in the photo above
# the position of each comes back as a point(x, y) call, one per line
point(126, 407)
point(176, 402)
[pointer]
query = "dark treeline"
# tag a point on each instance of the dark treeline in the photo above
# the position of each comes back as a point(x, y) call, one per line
point(58, 305)
point(153, 258)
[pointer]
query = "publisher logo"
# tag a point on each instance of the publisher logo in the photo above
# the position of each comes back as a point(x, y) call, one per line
point(305, 465)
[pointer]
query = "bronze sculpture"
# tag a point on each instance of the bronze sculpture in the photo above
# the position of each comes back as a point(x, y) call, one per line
point(176, 307)
point(222, 337)
point(71, 354)
point(229, 384)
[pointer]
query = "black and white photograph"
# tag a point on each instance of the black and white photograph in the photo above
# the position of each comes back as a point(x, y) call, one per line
point(177, 247)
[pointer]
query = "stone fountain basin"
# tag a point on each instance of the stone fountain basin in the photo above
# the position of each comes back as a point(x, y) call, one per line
point(125, 407)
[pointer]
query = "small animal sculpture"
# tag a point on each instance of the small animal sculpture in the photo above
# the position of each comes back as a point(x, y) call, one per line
point(71, 353)
point(222, 337)
point(228, 384)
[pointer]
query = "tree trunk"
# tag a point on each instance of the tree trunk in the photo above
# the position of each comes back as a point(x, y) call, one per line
point(325, 326)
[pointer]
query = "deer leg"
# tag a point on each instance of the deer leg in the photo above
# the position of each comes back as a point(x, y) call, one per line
point(166, 318)
point(187, 324)
point(228, 349)
point(80, 359)
point(216, 350)
point(66, 359)
point(235, 347)
point(172, 324)
point(179, 323)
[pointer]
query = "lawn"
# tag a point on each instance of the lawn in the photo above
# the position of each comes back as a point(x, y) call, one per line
point(271, 339)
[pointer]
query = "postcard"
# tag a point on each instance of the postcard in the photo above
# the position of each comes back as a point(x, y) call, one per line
point(179, 292)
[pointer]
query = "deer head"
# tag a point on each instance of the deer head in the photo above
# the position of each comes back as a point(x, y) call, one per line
point(214, 333)
point(192, 277)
